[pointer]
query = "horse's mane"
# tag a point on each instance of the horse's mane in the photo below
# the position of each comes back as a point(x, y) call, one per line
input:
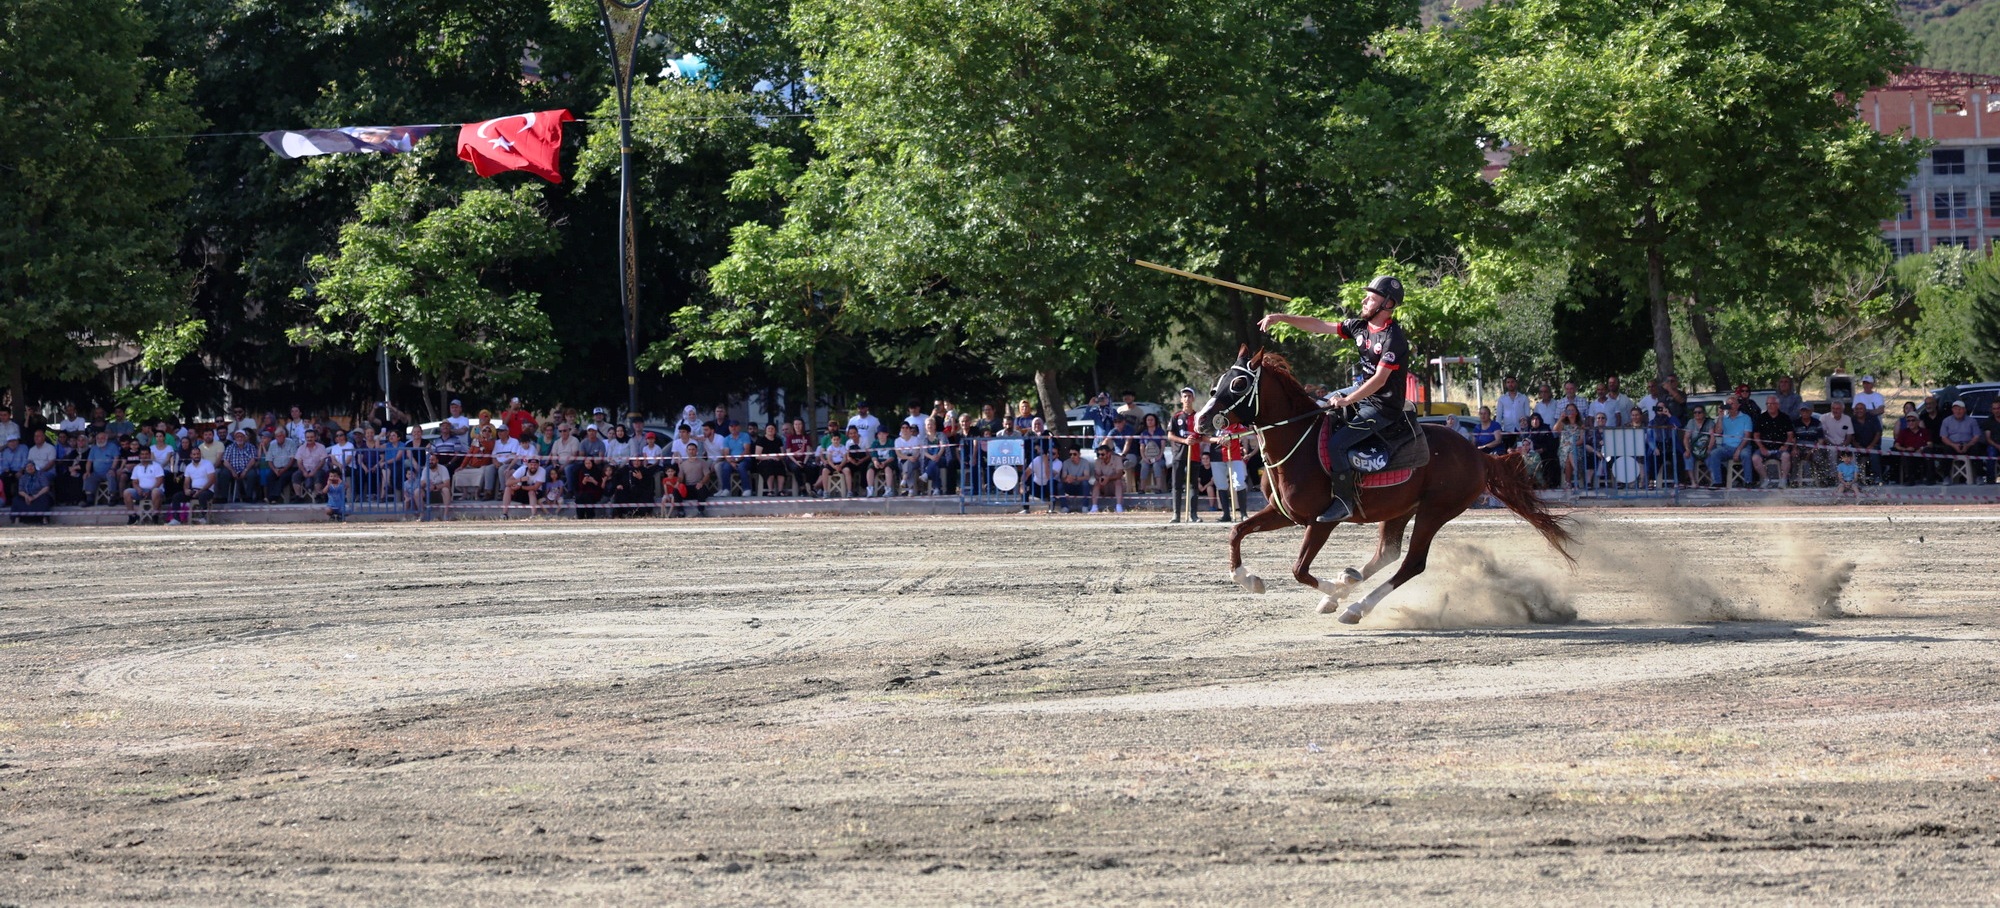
point(1277, 365)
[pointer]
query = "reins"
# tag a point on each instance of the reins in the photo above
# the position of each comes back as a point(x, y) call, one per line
point(1256, 376)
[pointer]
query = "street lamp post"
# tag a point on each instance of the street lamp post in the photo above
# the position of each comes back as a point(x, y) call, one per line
point(624, 25)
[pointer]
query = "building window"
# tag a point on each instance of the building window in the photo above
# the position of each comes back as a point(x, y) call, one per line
point(1993, 204)
point(1962, 242)
point(1948, 161)
point(1948, 205)
point(1909, 206)
point(1906, 246)
point(1993, 160)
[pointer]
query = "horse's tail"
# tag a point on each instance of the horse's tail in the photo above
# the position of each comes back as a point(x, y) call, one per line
point(1507, 478)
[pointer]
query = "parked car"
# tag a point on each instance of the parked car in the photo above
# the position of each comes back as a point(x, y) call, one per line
point(1978, 397)
point(1079, 418)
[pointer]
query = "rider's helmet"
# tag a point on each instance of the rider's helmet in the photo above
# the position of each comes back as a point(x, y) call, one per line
point(1389, 287)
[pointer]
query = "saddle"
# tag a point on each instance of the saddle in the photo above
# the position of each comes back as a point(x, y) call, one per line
point(1385, 459)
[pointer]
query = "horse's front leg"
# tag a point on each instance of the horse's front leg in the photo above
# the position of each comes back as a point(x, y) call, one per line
point(1388, 547)
point(1267, 519)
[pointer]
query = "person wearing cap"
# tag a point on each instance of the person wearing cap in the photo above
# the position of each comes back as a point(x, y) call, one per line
point(514, 418)
point(238, 481)
point(524, 486)
point(1869, 396)
point(1184, 458)
point(1385, 350)
point(1102, 417)
point(1959, 434)
point(457, 419)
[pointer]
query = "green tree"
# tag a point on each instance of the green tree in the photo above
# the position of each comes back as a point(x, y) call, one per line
point(1698, 150)
point(425, 273)
point(1955, 335)
point(92, 173)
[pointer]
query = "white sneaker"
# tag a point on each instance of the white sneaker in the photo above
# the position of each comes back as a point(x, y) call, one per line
point(1121, 509)
point(173, 522)
point(1093, 509)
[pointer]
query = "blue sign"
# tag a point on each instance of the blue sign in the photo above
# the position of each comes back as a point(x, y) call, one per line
point(1006, 451)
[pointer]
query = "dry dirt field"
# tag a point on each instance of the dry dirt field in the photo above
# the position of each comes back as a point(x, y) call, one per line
point(999, 711)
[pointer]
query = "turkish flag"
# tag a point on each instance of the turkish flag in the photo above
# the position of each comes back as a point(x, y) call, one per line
point(526, 141)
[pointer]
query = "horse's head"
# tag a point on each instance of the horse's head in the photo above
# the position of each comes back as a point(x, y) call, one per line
point(1234, 393)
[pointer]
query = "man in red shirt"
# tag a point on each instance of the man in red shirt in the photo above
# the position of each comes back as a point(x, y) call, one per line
point(1184, 446)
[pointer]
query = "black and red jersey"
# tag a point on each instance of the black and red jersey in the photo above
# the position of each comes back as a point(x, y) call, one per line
point(1386, 349)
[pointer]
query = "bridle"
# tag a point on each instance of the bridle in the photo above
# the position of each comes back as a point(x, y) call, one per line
point(1255, 377)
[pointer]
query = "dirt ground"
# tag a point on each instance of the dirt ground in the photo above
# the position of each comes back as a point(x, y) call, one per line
point(1768, 706)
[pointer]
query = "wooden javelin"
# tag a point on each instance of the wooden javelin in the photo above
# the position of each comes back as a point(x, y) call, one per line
point(1212, 280)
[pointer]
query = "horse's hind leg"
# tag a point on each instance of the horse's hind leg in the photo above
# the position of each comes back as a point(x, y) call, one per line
point(1267, 519)
point(1428, 524)
point(1388, 547)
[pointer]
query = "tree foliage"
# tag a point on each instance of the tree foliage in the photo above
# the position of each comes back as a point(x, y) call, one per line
point(92, 169)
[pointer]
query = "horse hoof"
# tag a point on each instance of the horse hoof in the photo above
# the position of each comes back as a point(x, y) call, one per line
point(1256, 584)
point(1350, 615)
point(1327, 605)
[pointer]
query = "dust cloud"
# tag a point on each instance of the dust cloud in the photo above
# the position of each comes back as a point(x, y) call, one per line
point(1653, 579)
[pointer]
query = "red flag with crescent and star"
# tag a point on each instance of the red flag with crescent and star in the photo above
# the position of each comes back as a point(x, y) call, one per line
point(528, 141)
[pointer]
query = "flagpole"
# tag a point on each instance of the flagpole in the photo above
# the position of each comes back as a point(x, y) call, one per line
point(624, 25)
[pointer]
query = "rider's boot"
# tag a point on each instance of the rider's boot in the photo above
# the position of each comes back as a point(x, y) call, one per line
point(1343, 497)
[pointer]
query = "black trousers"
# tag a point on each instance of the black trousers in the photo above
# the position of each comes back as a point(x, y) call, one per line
point(1369, 418)
point(1187, 482)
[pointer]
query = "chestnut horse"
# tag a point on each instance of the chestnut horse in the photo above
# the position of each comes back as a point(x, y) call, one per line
point(1261, 392)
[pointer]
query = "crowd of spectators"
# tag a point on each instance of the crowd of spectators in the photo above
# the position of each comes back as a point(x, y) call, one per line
point(592, 464)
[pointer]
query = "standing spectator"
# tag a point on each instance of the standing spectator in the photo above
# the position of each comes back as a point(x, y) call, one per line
point(1959, 435)
point(1184, 442)
point(722, 424)
point(1102, 415)
point(34, 495)
point(298, 425)
point(451, 447)
point(1867, 439)
point(1911, 442)
point(1541, 439)
point(1569, 446)
point(72, 421)
point(865, 421)
point(1789, 401)
point(690, 420)
point(120, 424)
point(1227, 472)
point(514, 418)
point(149, 484)
point(1108, 479)
point(1512, 408)
point(769, 462)
point(1024, 417)
point(1124, 442)
point(989, 421)
point(1152, 455)
point(1551, 410)
point(1869, 397)
point(914, 416)
point(455, 417)
point(9, 429)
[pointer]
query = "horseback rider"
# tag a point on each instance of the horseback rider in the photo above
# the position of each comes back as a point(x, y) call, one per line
point(1378, 399)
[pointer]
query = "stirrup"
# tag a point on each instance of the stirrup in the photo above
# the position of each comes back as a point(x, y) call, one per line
point(1335, 512)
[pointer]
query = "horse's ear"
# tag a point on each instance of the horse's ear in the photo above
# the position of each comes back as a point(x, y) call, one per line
point(1242, 353)
point(1257, 358)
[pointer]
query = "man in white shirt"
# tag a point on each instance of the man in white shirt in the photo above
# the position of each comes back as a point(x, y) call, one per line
point(1513, 407)
point(507, 453)
point(1548, 406)
point(41, 453)
point(525, 482)
point(72, 421)
point(341, 453)
point(865, 421)
point(457, 418)
point(149, 482)
point(198, 485)
point(1869, 396)
point(683, 438)
point(1835, 426)
point(909, 458)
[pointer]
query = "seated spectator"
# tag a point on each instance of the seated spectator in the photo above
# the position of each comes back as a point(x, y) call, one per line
point(524, 486)
point(909, 456)
point(672, 491)
point(1043, 473)
point(1152, 455)
point(148, 484)
point(1959, 435)
point(732, 467)
point(1867, 440)
point(1073, 481)
point(697, 471)
point(769, 461)
point(631, 488)
point(34, 495)
point(1107, 479)
point(801, 459)
point(881, 466)
point(1664, 454)
point(71, 466)
point(1911, 442)
point(619, 447)
point(1806, 453)
point(198, 487)
point(940, 458)
point(336, 496)
point(102, 473)
point(589, 491)
point(238, 480)
point(1849, 474)
point(1542, 440)
point(42, 453)
point(566, 451)
point(450, 447)
point(1695, 438)
point(1772, 432)
point(834, 466)
point(430, 484)
point(1735, 440)
point(1990, 439)
point(1486, 433)
point(13, 457)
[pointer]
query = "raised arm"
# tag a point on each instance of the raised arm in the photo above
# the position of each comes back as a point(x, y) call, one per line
point(1302, 322)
